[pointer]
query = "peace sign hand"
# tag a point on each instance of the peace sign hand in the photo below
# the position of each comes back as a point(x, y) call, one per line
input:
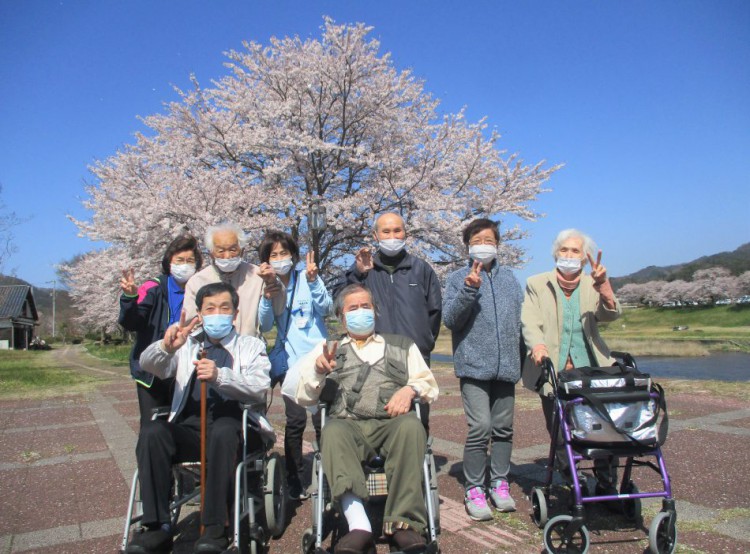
point(326, 362)
point(474, 278)
point(312, 267)
point(127, 282)
point(598, 271)
point(177, 334)
point(363, 259)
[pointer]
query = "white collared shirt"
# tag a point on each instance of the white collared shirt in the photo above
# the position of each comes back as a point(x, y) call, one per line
point(303, 383)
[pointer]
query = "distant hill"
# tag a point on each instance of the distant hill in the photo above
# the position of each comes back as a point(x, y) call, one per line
point(737, 261)
point(64, 310)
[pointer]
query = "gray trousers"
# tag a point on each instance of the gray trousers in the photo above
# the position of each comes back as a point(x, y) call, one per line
point(488, 406)
point(347, 443)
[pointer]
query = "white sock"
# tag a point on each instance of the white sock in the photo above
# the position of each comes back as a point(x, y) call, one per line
point(354, 512)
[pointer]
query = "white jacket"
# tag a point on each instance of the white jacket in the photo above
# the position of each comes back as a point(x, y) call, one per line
point(247, 381)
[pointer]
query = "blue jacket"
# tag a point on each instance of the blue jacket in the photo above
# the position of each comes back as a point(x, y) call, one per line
point(485, 324)
point(311, 304)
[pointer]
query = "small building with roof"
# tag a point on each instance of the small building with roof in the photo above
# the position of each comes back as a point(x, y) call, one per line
point(18, 316)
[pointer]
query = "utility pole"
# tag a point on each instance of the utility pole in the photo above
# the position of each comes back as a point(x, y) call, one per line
point(54, 302)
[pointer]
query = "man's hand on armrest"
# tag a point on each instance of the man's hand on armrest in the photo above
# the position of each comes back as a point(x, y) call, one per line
point(400, 402)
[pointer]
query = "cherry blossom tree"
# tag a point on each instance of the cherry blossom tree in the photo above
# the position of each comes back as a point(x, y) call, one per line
point(93, 282)
point(714, 284)
point(743, 280)
point(304, 122)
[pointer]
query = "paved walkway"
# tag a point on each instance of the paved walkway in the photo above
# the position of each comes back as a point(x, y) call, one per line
point(66, 463)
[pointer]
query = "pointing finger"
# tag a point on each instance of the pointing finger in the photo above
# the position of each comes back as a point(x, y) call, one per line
point(331, 352)
point(599, 258)
point(591, 261)
point(183, 315)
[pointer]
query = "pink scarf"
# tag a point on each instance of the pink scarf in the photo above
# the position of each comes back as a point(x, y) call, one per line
point(568, 284)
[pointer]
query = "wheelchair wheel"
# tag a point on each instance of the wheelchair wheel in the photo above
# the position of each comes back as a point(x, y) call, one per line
point(554, 537)
point(631, 509)
point(539, 505)
point(275, 495)
point(434, 494)
point(662, 534)
point(308, 541)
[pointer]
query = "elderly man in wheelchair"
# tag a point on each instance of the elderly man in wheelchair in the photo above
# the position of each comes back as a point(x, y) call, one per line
point(236, 370)
point(377, 377)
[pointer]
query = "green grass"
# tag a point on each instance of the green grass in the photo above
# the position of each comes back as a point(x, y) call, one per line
point(25, 373)
point(117, 354)
point(709, 322)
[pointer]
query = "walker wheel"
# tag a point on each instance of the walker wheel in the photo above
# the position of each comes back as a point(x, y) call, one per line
point(554, 537)
point(539, 504)
point(662, 535)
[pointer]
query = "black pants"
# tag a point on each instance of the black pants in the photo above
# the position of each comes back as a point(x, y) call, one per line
point(296, 421)
point(162, 444)
point(157, 396)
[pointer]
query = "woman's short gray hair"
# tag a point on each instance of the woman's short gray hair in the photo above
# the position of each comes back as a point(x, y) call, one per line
point(589, 246)
point(242, 237)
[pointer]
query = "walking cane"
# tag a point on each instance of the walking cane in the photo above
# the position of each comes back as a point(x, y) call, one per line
point(202, 356)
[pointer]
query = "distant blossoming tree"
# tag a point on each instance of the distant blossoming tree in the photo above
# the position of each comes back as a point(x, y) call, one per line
point(300, 122)
point(706, 287)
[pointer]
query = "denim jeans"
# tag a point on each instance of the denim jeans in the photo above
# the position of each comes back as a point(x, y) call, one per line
point(488, 406)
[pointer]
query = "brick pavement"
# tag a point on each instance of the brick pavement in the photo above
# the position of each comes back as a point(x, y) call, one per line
point(66, 464)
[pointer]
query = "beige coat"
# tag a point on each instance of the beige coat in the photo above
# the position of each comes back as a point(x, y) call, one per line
point(541, 322)
point(249, 286)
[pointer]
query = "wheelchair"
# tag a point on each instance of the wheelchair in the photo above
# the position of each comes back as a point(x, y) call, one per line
point(326, 521)
point(260, 497)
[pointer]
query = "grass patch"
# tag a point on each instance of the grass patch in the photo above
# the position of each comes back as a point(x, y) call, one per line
point(703, 322)
point(650, 347)
point(721, 389)
point(116, 354)
point(27, 373)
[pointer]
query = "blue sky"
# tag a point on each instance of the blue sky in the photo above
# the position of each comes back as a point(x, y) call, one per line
point(646, 103)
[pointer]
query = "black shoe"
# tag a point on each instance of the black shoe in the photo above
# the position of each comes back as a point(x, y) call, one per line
point(408, 541)
point(296, 490)
point(356, 542)
point(213, 540)
point(607, 489)
point(152, 541)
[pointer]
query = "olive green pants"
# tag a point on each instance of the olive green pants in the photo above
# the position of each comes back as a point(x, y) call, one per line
point(346, 444)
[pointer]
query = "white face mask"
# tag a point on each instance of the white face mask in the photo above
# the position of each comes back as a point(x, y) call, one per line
point(282, 267)
point(391, 247)
point(182, 272)
point(568, 266)
point(227, 265)
point(483, 253)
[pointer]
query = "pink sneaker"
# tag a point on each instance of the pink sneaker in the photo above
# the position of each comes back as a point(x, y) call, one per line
point(475, 503)
point(500, 496)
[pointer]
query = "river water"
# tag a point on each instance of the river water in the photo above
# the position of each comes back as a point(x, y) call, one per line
point(725, 366)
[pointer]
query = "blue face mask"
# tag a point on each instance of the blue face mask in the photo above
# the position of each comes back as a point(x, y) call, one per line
point(361, 322)
point(218, 326)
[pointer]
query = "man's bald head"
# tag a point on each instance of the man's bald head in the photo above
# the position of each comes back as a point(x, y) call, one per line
point(389, 226)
